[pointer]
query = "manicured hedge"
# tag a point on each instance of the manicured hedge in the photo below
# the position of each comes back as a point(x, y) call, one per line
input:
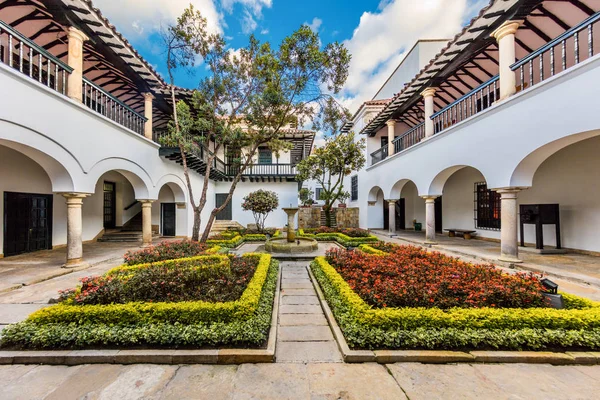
point(249, 332)
point(237, 239)
point(342, 239)
point(186, 312)
point(457, 328)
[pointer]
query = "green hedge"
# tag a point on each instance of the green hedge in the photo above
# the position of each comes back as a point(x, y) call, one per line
point(185, 312)
point(252, 331)
point(433, 328)
point(342, 239)
point(237, 239)
point(219, 262)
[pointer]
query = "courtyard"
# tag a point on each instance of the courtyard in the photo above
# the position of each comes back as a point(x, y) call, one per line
point(309, 364)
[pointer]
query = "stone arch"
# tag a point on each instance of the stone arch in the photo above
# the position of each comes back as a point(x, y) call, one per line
point(136, 175)
point(396, 190)
point(64, 171)
point(522, 176)
point(176, 184)
point(374, 192)
point(436, 187)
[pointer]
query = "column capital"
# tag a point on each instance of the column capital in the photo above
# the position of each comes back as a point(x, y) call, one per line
point(391, 123)
point(429, 199)
point(75, 33)
point(429, 92)
point(146, 202)
point(148, 96)
point(75, 197)
point(507, 28)
point(507, 191)
point(392, 200)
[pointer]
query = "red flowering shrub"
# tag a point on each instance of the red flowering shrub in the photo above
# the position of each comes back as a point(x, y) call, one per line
point(352, 232)
point(165, 251)
point(384, 246)
point(160, 283)
point(412, 277)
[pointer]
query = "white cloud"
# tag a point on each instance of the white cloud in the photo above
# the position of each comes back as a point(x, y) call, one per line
point(315, 24)
point(252, 11)
point(136, 18)
point(248, 22)
point(381, 39)
point(264, 32)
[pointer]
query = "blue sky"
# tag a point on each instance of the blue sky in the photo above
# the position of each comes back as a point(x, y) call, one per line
point(377, 32)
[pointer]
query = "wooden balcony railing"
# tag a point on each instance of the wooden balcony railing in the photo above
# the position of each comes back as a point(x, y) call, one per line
point(409, 138)
point(264, 170)
point(379, 155)
point(468, 105)
point(574, 46)
point(106, 104)
point(25, 56)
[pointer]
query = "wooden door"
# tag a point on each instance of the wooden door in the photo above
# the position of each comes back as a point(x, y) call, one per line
point(438, 214)
point(110, 210)
point(226, 213)
point(401, 214)
point(168, 217)
point(27, 222)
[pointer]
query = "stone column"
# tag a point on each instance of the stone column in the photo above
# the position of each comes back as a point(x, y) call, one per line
point(428, 99)
point(509, 250)
point(75, 61)
point(74, 229)
point(291, 231)
point(505, 36)
point(430, 219)
point(392, 216)
point(148, 97)
point(146, 222)
point(391, 131)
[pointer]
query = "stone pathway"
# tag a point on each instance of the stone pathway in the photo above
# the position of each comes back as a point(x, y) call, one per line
point(303, 334)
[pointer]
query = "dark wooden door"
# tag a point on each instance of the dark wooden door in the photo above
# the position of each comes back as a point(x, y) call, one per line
point(110, 210)
point(386, 215)
point(401, 214)
point(167, 213)
point(27, 222)
point(438, 214)
point(226, 213)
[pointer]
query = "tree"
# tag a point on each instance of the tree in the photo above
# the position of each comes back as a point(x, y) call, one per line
point(261, 203)
point(249, 97)
point(306, 196)
point(329, 164)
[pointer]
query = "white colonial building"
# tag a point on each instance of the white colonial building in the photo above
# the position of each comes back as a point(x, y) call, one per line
point(80, 115)
point(500, 127)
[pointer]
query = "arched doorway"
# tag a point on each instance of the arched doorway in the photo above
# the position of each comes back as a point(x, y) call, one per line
point(375, 214)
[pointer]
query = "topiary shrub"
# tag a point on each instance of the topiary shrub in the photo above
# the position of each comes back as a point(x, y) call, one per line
point(261, 203)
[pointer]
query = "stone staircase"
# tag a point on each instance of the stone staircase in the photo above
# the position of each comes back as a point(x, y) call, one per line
point(221, 226)
point(130, 232)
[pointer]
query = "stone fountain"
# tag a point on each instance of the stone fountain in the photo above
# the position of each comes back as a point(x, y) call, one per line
point(290, 243)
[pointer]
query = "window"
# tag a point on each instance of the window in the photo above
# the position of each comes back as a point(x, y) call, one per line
point(384, 141)
point(487, 207)
point(265, 155)
point(318, 193)
point(354, 188)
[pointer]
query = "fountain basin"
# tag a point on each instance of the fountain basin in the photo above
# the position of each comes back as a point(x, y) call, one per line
point(300, 245)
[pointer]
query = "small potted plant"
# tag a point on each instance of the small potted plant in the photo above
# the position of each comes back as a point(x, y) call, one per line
point(306, 197)
point(342, 199)
point(417, 225)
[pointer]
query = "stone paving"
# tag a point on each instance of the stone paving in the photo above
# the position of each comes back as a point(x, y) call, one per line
point(309, 366)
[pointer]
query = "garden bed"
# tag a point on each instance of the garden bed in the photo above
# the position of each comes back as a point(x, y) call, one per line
point(440, 303)
point(350, 237)
point(208, 301)
point(234, 239)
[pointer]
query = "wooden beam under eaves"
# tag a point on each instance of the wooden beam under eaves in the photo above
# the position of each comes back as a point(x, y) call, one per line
point(92, 23)
point(80, 10)
point(479, 28)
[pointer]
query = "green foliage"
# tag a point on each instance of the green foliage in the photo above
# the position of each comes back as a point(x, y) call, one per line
point(306, 196)
point(167, 250)
point(342, 239)
point(261, 203)
point(252, 331)
point(329, 164)
point(457, 328)
point(185, 312)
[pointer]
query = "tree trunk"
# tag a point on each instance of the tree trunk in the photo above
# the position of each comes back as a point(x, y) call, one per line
point(209, 224)
point(196, 226)
point(327, 216)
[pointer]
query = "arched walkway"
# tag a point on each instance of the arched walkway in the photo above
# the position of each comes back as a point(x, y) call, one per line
point(375, 214)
